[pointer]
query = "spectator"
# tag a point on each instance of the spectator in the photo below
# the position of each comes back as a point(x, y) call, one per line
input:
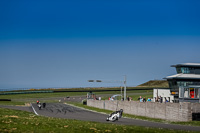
point(166, 100)
point(140, 98)
point(144, 99)
point(157, 99)
point(128, 98)
point(149, 100)
point(161, 99)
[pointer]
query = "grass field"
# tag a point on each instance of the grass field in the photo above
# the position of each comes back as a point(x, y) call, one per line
point(20, 121)
point(21, 99)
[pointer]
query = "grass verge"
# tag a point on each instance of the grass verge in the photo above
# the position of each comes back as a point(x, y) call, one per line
point(21, 121)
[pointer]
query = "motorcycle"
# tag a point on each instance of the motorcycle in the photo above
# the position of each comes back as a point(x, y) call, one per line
point(39, 106)
point(115, 115)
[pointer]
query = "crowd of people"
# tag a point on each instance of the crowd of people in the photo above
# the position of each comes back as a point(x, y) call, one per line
point(160, 99)
point(143, 99)
point(140, 99)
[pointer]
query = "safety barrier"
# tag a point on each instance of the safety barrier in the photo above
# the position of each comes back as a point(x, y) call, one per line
point(24, 92)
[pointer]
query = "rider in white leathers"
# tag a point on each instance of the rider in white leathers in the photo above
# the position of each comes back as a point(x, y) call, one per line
point(115, 115)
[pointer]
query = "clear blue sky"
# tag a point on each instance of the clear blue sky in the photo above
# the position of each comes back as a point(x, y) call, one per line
point(46, 43)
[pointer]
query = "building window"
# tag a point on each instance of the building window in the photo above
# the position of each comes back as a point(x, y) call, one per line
point(185, 70)
point(187, 83)
point(173, 84)
point(196, 71)
point(189, 92)
point(192, 70)
point(186, 92)
point(178, 69)
point(188, 70)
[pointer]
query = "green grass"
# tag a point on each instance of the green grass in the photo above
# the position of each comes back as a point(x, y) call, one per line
point(190, 123)
point(83, 89)
point(61, 94)
point(156, 83)
point(21, 99)
point(11, 103)
point(21, 121)
point(41, 95)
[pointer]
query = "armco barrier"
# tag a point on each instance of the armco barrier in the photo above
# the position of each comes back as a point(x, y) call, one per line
point(5, 99)
point(167, 111)
point(24, 92)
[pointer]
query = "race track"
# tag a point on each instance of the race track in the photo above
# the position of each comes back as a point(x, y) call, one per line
point(60, 110)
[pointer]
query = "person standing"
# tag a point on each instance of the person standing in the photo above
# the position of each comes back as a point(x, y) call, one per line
point(44, 105)
point(140, 98)
point(149, 99)
point(39, 106)
point(144, 99)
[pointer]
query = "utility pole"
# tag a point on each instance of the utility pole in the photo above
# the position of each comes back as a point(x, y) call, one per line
point(124, 87)
point(121, 91)
point(122, 82)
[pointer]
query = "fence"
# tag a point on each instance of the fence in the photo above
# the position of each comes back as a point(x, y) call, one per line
point(168, 111)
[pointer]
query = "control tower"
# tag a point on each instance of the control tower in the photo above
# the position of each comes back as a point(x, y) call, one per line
point(185, 85)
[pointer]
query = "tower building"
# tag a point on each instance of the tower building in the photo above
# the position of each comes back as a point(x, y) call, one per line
point(185, 85)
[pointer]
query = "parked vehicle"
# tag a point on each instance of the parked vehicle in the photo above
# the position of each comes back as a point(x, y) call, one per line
point(115, 97)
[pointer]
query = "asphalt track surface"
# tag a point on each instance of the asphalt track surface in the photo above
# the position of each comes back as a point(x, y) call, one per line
point(60, 110)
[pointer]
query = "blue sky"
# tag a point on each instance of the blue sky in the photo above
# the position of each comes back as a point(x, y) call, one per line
point(64, 43)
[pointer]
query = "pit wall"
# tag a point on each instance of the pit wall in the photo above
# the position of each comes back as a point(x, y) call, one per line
point(167, 111)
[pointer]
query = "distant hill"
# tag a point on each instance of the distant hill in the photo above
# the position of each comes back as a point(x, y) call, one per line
point(155, 83)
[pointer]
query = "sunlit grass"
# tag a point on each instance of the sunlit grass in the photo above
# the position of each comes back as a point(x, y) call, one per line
point(11, 103)
point(21, 99)
point(21, 121)
point(41, 95)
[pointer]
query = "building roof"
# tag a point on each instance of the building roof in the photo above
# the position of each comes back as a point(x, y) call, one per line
point(187, 65)
point(184, 76)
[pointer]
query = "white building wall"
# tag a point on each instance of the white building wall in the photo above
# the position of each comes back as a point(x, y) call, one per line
point(164, 93)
